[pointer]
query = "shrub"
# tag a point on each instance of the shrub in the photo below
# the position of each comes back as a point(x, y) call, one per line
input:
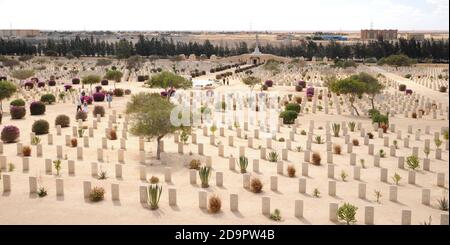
point(62, 120)
point(48, 98)
point(293, 107)
point(41, 84)
point(74, 142)
point(40, 127)
point(112, 135)
point(355, 142)
point(98, 89)
point(17, 102)
point(98, 109)
point(37, 108)
point(256, 185)
point(289, 117)
point(214, 204)
point(264, 87)
point(272, 157)
point(291, 171)
point(141, 78)
point(413, 162)
point(51, 83)
point(409, 92)
point(402, 87)
point(88, 99)
point(81, 115)
point(75, 81)
point(443, 204)
point(443, 89)
point(99, 97)
point(351, 126)
point(269, 83)
point(276, 215)
point(298, 88)
point(370, 135)
point(195, 164)
point(316, 158)
point(97, 194)
point(29, 85)
point(154, 180)
point(104, 82)
point(302, 84)
point(414, 115)
point(118, 92)
point(17, 112)
point(337, 149)
point(336, 129)
point(10, 134)
point(347, 213)
point(26, 151)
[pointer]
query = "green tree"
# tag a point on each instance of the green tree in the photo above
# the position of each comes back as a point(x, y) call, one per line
point(167, 80)
point(150, 116)
point(373, 86)
point(347, 213)
point(124, 49)
point(22, 74)
point(251, 81)
point(352, 87)
point(90, 79)
point(397, 60)
point(114, 75)
point(7, 89)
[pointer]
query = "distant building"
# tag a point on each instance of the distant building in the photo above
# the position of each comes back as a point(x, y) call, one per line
point(415, 36)
point(19, 33)
point(368, 35)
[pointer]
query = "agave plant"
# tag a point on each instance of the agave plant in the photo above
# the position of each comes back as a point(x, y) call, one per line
point(205, 173)
point(243, 163)
point(351, 126)
point(319, 139)
point(35, 140)
point(443, 204)
point(153, 194)
point(336, 129)
point(413, 162)
point(273, 157)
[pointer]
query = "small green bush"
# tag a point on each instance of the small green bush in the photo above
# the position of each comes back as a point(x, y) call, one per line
point(40, 127)
point(48, 98)
point(17, 102)
point(62, 120)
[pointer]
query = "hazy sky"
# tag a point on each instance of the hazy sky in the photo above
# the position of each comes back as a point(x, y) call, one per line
point(224, 15)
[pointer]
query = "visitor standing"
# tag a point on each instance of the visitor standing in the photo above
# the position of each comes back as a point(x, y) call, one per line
point(109, 99)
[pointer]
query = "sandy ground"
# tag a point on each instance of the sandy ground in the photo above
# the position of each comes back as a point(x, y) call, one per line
point(19, 207)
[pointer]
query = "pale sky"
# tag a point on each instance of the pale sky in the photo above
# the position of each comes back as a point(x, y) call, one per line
point(226, 15)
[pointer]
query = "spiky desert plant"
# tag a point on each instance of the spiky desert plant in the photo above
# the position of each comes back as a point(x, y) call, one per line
point(299, 149)
point(11, 167)
point(344, 176)
point(273, 156)
point(153, 195)
point(443, 203)
point(362, 162)
point(316, 193)
point(205, 173)
point(102, 175)
point(316, 158)
point(276, 215)
point(291, 171)
point(427, 151)
point(351, 126)
point(80, 132)
point(336, 129)
point(438, 143)
point(319, 139)
point(378, 195)
point(184, 136)
point(57, 164)
point(396, 178)
point(382, 153)
point(413, 162)
point(347, 213)
point(35, 140)
point(395, 143)
point(215, 204)
point(256, 185)
point(427, 222)
point(243, 164)
point(337, 149)
point(42, 192)
point(213, 129)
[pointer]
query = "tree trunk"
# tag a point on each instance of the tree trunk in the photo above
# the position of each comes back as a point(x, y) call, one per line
point(373, 104)
point(354, 108)
point(158, 148)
